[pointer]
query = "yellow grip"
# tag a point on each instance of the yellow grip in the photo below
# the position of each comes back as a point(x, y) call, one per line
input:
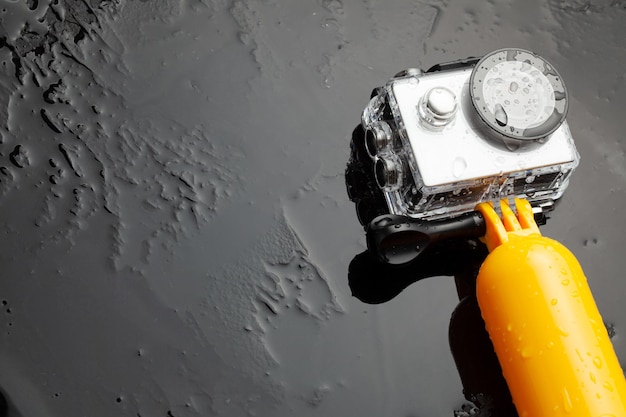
point(546, 330)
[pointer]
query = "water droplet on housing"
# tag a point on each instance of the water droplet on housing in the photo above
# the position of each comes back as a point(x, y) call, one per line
point(500, 114)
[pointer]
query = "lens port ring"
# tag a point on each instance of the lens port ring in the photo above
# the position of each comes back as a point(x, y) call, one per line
point(388, 172)
point(378, 138)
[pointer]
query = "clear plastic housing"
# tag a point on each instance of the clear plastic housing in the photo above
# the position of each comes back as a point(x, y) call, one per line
point(446, 171)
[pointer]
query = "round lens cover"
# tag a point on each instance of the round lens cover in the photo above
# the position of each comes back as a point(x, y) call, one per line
point(518, 94)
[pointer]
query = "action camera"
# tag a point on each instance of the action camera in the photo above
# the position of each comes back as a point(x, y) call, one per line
point(471, 131)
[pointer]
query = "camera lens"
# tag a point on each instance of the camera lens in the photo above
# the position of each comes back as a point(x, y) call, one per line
point(388, 172)
point(378, 138)
point(518, 94)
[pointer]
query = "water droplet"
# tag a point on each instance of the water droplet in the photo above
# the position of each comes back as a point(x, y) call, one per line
point(567, 401)
point(334, 6)
point(610, 329)
point(597, 362)
point(19, 157)
point(458, 166)
point(384, 221)
point(607, 385)
point(565, 282)
point(513, 87)
point(592, 377)
point(500, 161)
point(526, 353)
point(509, 327)
point(554, 301)
point(501, 117)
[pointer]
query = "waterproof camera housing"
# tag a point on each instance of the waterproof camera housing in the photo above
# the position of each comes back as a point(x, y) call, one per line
point(471, 131)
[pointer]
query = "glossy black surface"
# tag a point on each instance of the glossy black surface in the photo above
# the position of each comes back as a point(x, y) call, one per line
point(175, 230)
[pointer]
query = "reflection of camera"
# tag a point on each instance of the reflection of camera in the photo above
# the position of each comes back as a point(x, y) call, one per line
point(471, 131)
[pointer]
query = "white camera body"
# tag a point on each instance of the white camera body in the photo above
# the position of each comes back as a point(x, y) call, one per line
point(445, 140)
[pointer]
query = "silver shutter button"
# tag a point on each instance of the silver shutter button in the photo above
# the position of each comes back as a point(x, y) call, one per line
point(437, 107)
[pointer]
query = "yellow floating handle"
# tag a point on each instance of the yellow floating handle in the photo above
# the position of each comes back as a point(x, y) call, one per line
point(554, 350)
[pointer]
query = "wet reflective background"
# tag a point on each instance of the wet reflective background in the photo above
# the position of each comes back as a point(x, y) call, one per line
point(176, 232)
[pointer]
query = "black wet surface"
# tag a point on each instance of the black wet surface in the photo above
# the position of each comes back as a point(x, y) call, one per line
point(176, 233)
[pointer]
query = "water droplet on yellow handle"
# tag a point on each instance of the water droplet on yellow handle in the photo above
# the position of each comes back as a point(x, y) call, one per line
point(597, 362)
point(567, 401)
point(514, 271)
